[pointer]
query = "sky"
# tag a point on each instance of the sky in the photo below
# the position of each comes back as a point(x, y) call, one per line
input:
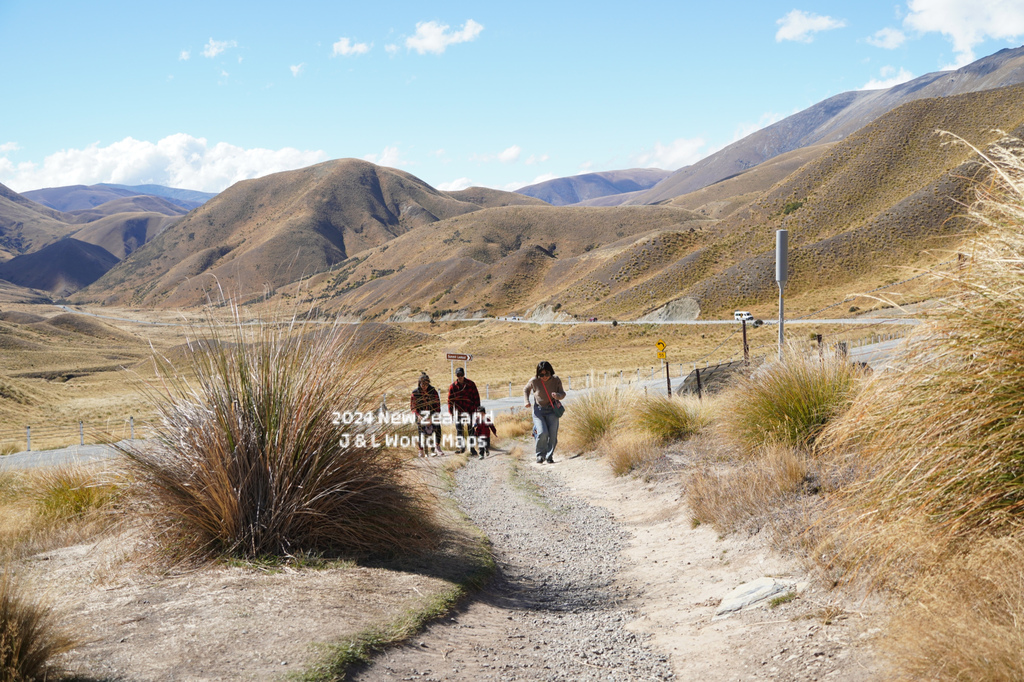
point(201, 95)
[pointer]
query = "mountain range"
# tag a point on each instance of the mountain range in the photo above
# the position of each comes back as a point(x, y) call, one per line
point(351, 238)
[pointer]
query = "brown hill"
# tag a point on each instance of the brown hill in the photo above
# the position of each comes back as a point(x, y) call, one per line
point(577, 188)
point(854, 209)
point(60, 268)
point(123, 233)
point(508, 259)
point(261, 234)
point(484, 197)
point(835, 118)
point(134, 204)
point(869, 204)
point(27, 226)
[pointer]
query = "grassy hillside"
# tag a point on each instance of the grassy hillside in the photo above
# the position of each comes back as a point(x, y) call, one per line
point(508, 259)
point(123, 233)
point(264, 233)
point(869, 205)
point(60, 268)
point(27, 226)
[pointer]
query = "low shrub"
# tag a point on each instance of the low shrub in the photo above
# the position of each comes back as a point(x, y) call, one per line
point(728, 494)
point(670, 419)
point(31, 637)
point(591, 417)
point(255, 456)
point(629, 450)
point(789, 401)
point(515, 424)
point(65, 493)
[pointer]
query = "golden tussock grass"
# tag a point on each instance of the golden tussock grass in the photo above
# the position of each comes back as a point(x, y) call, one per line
point(671, 419)
point(514, 425)
point(933, 471)
point(629, 450)
point(31, 636)
point(595, 415)
point(255, 457)
point(788, 401)
point(748, 487)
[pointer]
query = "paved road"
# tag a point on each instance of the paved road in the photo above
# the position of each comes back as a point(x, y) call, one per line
point(76, 454)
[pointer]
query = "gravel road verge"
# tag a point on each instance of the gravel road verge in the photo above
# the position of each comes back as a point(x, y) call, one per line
point(554, 611)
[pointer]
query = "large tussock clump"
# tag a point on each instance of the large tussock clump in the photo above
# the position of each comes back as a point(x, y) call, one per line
point(255, 455)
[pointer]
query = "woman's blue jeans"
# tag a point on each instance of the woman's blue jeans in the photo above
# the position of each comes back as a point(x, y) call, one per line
point(545, 423)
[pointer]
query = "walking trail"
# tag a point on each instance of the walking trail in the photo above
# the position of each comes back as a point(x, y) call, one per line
point(603, 578)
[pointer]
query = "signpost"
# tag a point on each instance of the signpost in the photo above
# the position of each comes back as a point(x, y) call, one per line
point(663, 356)
point(463, 358)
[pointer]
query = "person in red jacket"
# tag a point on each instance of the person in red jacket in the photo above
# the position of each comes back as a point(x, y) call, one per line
point(482, 429)
point(426, 406)
point(463, 399)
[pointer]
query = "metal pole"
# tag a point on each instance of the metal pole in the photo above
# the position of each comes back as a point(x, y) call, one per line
point(746, 348)
point(28, 437)
point(697, 372)
point(510, 389)
point(781, 275)
point(487, 388)
point(81, 433)
point(131, 423)
point(668, 381)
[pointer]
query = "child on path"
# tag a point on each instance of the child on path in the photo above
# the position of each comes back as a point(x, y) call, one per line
point(482, 430)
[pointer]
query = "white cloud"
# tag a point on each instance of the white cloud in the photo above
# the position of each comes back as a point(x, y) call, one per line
point(215, 47)
point(346, 48)
point(455, 185)
point(388, 157)
point(676, 154)
point(510, 155)
point(8, 147)
point(766, 120)
point(178, 160)
point(435, 37)
point(801, 26)
point(887, 38)
point(297, 69)
point(967, 23)
point(184, 56)
point(392, 49)
point(535, 159)
point(888, 77)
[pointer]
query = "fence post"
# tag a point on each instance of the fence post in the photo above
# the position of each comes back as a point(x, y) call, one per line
point(487, 389)
point(28, 437)
point(510, 389)
point(81, 433)
point(697, 372)
point(131, 422)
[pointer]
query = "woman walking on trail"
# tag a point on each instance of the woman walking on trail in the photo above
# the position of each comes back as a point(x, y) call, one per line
point(546, 410)
point(426, 407)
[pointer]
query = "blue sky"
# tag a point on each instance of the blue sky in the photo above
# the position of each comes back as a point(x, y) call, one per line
point(201, 95)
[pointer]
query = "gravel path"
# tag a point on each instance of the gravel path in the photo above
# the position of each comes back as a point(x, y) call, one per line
point(553, 612)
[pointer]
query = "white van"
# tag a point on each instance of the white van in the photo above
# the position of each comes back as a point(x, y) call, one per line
point(741, 315)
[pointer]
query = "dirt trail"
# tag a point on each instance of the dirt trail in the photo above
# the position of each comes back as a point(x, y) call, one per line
point(603, 578)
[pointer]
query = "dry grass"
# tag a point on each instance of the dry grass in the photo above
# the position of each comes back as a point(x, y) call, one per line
point(933, 468)
point(748, 488)
point(30, 634)
point(788, 401)
point(69, 493)
point(254, 456)
point(515, 424)
point(628, 450)
point(671, 419)
point(595, 415)
point(964, 623)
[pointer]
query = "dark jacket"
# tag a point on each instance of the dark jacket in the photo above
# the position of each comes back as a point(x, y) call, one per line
point(428, 401)
point(464, 398)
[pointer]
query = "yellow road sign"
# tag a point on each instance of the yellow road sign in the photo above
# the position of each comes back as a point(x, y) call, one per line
point(661, 355)
point(661, 346)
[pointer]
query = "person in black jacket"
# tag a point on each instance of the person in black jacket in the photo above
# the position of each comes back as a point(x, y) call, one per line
point(463, 400)
point(426, 406)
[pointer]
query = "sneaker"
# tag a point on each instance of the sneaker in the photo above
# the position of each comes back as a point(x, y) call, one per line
point(550, 460)
point(481, 455)
point(540, 459)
